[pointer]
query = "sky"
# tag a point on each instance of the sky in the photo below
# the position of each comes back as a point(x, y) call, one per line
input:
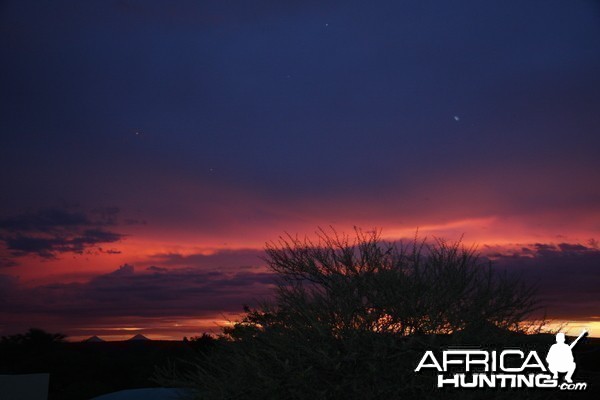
point(150, 149)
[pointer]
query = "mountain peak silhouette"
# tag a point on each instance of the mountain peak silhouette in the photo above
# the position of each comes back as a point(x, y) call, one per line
point(94, 339)
point(138, 337)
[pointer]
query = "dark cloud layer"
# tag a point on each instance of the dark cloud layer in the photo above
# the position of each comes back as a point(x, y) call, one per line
point(222, 258)
point(126, 293)
point(567, 276)
point(50, 232)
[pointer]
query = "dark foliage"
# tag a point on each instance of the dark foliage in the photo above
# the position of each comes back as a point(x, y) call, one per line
point(34, 338)
point(351, 318)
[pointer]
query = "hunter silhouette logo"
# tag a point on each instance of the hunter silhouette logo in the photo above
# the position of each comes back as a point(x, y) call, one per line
point(560, 356)
point(507, 368)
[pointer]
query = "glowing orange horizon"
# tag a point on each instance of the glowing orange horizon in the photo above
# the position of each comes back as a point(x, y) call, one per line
point(196, 327)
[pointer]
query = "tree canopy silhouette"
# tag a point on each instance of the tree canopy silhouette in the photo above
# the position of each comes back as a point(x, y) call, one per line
point(363, 283)
point(351, 314)
point(34, 337)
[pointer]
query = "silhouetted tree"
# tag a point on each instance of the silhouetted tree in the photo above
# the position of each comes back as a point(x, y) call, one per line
point(350, 317)
point(202, 343)
point(34, 337)
point(370, 285)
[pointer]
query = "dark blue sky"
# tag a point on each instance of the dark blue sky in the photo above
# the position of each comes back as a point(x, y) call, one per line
point(276, 98)
point(221, 124)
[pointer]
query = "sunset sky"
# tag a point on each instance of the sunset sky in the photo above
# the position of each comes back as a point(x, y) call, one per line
point(149, 149)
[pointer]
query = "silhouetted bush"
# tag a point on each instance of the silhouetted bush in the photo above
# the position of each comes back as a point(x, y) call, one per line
point(203, 342)
point(34, 337)
point(351, 317)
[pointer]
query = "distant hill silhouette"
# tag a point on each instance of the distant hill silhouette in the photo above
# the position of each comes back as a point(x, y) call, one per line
point(94, 339)
point(138, 337)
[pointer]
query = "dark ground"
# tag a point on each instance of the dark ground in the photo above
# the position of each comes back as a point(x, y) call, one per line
point(85, 370)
